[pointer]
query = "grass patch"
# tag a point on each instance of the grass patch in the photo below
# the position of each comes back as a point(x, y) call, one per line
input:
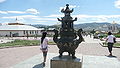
point(51, 43)
point(21, 43)
point(115, 44)
point(117, 35)
point(24, 43)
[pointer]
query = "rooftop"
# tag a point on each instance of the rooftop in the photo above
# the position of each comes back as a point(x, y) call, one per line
point(18, 27)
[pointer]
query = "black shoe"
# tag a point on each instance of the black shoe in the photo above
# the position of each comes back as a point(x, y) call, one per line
point(43, 64)
point(73, 57)
point(60, 56)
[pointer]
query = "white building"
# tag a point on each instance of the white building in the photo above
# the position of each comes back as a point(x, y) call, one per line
point(19, 30)
point(113, 28)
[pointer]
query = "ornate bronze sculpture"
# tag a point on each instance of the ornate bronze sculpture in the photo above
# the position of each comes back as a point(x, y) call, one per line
point(67, 41)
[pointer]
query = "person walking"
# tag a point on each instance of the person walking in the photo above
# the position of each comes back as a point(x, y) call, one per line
point(44, 46)
point(110, 42)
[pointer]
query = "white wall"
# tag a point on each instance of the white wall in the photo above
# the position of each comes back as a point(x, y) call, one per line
point(4, 33)
point(20, 33)
point(31, 32)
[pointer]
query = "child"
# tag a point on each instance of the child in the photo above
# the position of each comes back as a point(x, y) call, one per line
point(44, 46)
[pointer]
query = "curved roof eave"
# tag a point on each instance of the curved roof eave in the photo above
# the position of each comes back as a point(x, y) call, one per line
point(18, 27)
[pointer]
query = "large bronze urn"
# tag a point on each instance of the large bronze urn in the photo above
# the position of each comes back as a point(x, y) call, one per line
point(66, 37)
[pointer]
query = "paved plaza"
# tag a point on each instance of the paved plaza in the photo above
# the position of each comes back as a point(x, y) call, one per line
point(88, 62)
point(94, 56)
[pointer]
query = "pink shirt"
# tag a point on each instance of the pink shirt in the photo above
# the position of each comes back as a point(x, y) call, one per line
point(45, 43)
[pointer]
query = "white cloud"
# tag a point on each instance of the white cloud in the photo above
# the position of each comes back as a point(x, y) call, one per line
point(3, 12)
point(28, 16)
point(72, 6)
point(10, 17)
point(45, 19)
point(87, 18)
point(22, 19)
point(17, 12)
point(82, 18)
point(1, 1)
point(7, 12)
point(55, 15)
point(96, 18)
point(32, 11)
point(22, 16)
point(117, 4)
point(41, 21)
point(51, 19)
point(33, 18)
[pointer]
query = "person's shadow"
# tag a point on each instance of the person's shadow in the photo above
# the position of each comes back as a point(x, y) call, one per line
point(112, 56)
point(39, 66)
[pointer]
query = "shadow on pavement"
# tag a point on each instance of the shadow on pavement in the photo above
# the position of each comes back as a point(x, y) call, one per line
point(39, 66)
point(112, 56)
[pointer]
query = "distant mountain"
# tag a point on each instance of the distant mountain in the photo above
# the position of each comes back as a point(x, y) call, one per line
point(85, 26)
point(91, 26)
point(46, 26)
point(39, 25)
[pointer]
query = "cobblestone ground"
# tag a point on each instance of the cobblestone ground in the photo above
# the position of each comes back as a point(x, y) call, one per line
point(12, 56)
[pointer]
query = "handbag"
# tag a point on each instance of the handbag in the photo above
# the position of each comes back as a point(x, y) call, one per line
point(44, 48)
point(114, 39)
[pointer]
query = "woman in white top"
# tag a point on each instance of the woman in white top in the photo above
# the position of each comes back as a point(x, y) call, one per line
point(110, 42)
point(44, 46)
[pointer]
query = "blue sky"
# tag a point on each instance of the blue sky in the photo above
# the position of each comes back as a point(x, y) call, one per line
point(47, 11)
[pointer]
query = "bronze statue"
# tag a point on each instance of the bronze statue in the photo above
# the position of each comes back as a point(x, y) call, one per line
point(68, 41)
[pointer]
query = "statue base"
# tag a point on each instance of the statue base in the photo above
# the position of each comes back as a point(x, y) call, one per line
point(66, 62)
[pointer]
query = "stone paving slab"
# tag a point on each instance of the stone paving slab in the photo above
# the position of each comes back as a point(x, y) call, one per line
point(35, 62)
point(100, 62)
point(88, 62)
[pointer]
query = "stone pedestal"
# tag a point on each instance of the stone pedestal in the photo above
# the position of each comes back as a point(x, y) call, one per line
point(66, 62)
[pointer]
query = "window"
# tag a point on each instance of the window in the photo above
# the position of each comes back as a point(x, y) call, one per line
point(24, 32)
point(30, 32)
